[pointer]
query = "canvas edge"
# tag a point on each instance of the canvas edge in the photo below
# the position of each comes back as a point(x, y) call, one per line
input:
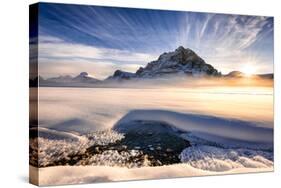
point(33, 81)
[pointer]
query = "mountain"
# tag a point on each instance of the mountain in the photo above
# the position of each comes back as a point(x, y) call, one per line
point(66, 78)
point(121, 75)
point(182, 61)
point(235, 74)
point(238, 74)
point(83, 79)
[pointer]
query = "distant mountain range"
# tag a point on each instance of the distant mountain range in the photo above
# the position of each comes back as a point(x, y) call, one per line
point(83, 79)
point(182, 62)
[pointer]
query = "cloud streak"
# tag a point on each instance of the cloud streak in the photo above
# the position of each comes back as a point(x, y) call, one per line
point(65, 58)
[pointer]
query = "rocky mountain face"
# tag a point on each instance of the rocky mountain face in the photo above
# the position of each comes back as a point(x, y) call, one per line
point(182, 61)
point(121, 75)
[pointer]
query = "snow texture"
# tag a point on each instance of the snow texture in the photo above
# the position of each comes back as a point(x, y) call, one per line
point(218, 159)
point(52, 147)
point(90, 174)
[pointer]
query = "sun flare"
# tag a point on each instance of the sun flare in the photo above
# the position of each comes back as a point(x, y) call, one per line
point(249, 70)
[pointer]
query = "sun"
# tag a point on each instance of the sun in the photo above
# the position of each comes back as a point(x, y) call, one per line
point(248, 70)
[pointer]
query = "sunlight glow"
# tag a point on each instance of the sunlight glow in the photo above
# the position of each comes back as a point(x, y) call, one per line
point(248, 70)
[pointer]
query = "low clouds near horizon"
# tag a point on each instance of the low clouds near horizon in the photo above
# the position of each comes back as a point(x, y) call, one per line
point(57, 57)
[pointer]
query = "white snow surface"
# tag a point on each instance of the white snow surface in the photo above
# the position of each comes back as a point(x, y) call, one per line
point(90, 174)
point(218, 159)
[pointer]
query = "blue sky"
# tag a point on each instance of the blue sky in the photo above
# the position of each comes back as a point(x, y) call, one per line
point(99, 40)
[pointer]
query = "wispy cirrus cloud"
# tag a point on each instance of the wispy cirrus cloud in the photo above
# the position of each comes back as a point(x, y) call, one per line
point(229, 41)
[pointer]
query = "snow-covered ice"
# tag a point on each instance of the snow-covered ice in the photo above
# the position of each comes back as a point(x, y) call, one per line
point(229, 131)
point(219, 159)
point(90, 174)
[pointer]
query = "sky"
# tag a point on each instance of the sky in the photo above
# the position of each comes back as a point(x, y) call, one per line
point(100, 40)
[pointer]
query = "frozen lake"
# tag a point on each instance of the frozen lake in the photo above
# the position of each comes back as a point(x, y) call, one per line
point(230, 129)
point(90, 109)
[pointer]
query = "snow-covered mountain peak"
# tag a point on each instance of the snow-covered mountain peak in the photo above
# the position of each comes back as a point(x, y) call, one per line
point(181, 61)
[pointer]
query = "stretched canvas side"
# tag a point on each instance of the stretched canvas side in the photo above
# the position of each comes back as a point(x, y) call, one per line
point(33, 93)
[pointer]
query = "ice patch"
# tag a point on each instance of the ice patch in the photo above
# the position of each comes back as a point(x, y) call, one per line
point(199, 138)
point(52, 146)
point(219, 159)
point(210, 127)
point(115, 158)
